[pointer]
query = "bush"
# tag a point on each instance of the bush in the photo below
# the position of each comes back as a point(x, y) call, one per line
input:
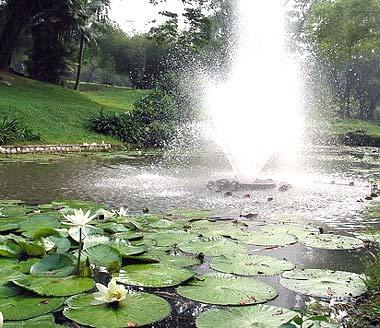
point(12, 130)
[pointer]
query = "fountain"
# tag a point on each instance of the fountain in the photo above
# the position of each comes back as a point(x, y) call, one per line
point(256, 113)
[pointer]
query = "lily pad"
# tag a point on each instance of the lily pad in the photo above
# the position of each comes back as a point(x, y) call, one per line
point(153, 275)
point(45, 321)
point(22, 307)
point(372, 236)
point(176, 260)
point(6, 227)
point(128, 250)
point(258, 316)
point(7, 275)
point(86, 232)
point(9, 290)
point(138, 309)
point(10, 250)
point(55, 265)
point(297, 230)
point(267, 239)
point(171, 238)
point(66, 286)
point(212, 247)
point(250, 265)
point(324, 283)
point(222, 289)
point(190, 214)
point(332, 242)
point(103, 256)
point(60, 244)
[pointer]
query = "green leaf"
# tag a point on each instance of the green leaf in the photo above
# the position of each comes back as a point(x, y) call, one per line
point(250, 265)
point(9, 290)
point(260, 316)
point(333, 242)
point(171, 238)
point(212, 247)
point(138, 309)
point(103, 256)
point(66, 286)
point(10, 249)
point(32, 249)
point(55, 265)
point(153, 275)
point(221, 289)
point(22, 307)
point(45, 321)
point(61, 244)
point(7, 274)
point(324, 283)
point(267, 239)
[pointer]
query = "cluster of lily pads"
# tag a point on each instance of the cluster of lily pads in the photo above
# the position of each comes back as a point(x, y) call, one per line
point(92, 263)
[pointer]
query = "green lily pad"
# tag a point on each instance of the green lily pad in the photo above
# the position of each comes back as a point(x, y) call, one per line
point(10, 250)
point(212, 247)
point(128, 250)
point(8, 263)
point(22, 307)
point(258, 316)
point(250, 265)
point(165, 224)
point(95, 240)
point(176, 260)
point(66, 286)
point(220, 229)
point(7, 274)
point(86, 232)
point(60, 244)
point(153, 275)
point(267, 238)
point(55, 265)
point(324, 283)
point(333, 242)
point(38, 222)
point(138, 309)
point(9, 290)
point(129, 235)
point(6, 227)
point(45, 321)
point(222, 289)
point(171, 238)
point(297, 230)
point(34, 249)
point(103, 256)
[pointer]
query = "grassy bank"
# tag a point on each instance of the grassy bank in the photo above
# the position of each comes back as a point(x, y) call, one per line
point(339, 126)
point(58, 114)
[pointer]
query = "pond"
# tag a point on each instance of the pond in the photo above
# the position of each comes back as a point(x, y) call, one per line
point(329, 186)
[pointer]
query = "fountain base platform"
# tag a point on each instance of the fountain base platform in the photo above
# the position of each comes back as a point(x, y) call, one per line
point(228, 185)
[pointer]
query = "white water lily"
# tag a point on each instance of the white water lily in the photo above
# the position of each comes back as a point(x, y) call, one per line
point(48, 245)
point(109, 294)
point(79, 219)
point(1, 320)
point(1, 214)
point(104, 213)
point(123, 212)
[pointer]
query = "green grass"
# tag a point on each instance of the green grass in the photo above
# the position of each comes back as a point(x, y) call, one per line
point(58, 114)
point(116, 98)
point(352, 125)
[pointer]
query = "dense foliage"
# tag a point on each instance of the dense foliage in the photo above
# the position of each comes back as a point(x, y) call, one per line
point(12, 130)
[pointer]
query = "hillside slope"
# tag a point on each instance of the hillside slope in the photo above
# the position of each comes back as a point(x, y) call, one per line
point(59, 114)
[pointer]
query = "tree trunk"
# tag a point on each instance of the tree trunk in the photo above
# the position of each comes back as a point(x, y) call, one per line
point(80, 62)
point(17, 14)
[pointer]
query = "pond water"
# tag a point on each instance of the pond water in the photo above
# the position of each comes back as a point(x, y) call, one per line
point(328, 185)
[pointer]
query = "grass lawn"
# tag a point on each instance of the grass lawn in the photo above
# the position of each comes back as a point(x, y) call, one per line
point(58, 114)
point(352, 125)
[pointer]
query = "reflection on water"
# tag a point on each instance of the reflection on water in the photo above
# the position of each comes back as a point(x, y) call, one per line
point(321, 192)
point(320, 183)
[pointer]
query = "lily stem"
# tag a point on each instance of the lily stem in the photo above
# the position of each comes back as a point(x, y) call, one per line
point(79, 251)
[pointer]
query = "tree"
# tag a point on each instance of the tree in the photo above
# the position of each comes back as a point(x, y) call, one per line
point(345, 36)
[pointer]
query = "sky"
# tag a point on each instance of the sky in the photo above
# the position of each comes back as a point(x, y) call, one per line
point(135, 16)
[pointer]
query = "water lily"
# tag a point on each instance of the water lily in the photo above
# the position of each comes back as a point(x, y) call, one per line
point(1, 214)
point(112, 293)
point(79, 219)
point(1, 320)
point(123, 212)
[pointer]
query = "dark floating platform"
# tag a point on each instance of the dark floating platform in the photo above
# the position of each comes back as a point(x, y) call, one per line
point(227, 185)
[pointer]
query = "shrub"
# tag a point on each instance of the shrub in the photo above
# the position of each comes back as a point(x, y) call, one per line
point(12, 130)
